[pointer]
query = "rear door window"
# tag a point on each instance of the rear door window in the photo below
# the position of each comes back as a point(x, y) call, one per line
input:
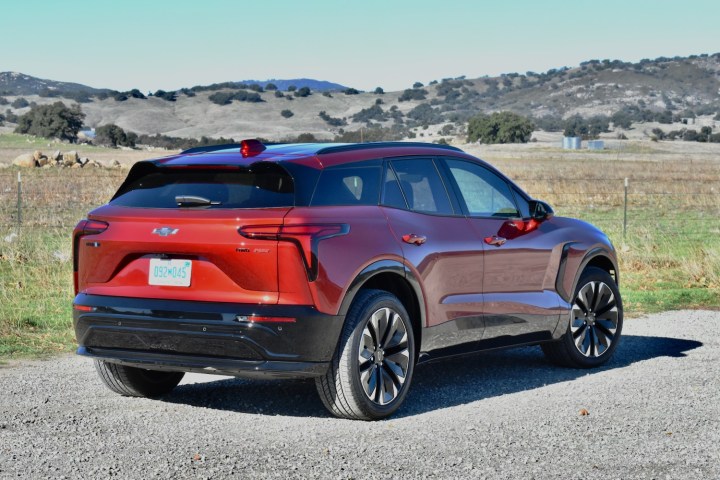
point(264, 187)
point(348, 185)
point(422, 186)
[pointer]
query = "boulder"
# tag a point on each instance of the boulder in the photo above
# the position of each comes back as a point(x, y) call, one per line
point(43, 161)
point(76, 165)
point(25, 160)
point(70, 158)
point(93, 164)
point(84, 161)
point(115, 164)
point(55, 156)
point(37, 154)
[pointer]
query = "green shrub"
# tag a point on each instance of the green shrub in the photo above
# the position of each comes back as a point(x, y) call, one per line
point(4, 101)
point(271, 87)
point(379, 91)
point(113, 136)
point(500, 127)
point(20, 103)
point(292, 88)
point(367, 114)
point(413, 94)
point(302, 92)
point(351, 91)
point(52, 121)
point(287, 113)
point(332, 121)
point(168, 96)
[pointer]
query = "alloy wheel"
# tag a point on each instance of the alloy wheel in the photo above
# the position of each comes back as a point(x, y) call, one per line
point(383, 356)
point(595, 319)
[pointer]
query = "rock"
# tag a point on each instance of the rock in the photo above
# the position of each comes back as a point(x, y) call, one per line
point(43, 161)
point(76, 165)
point(49, 165)
point(84, 161)
point(25, 160)
point(115, 164)
point(55, 156)
point(37, 155)
point(70, 158)
point(94, 164)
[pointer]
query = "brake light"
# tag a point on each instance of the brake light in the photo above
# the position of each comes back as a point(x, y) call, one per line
point(306, 237)
point(83, 228)
point(252, 147)
point(83, 308)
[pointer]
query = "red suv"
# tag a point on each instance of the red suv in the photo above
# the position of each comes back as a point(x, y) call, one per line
point(349, 264)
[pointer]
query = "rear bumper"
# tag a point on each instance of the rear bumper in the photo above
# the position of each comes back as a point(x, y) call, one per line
point(206, 337)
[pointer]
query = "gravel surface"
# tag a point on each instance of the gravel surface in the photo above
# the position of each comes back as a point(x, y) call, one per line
point(653, 412)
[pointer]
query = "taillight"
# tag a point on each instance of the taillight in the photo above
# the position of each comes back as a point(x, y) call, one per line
point(306, 237)
point(84, 228)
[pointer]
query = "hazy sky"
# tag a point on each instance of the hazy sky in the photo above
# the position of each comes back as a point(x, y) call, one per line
point(157, 44)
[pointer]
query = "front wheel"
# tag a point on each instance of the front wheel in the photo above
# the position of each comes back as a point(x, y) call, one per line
point(136, 382)
point(373, 365)
point(595, 324)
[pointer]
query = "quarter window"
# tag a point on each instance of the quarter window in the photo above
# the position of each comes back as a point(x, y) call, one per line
point(485, 194)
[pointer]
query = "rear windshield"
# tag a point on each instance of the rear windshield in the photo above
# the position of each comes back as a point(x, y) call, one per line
point(208, 188)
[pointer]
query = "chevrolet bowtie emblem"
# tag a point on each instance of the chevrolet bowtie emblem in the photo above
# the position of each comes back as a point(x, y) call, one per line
point(165, 231)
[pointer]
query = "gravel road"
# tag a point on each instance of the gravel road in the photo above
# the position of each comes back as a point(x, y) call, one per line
point(654, 412)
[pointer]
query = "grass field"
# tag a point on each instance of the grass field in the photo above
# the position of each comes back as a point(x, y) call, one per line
point(669, 259)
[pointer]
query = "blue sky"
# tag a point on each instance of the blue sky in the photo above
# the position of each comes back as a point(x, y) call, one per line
point(156, 44)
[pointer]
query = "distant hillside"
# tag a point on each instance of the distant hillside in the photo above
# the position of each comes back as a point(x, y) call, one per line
point(14, 83)
point(662, 90)
point(315, 85)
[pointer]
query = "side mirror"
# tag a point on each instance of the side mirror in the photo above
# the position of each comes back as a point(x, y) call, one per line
point(540, 210)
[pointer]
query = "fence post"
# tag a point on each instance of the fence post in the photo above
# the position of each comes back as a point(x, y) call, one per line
point(19, 202)
point(625, 210)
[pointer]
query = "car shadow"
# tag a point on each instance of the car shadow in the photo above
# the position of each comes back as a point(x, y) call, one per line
point(436, 385)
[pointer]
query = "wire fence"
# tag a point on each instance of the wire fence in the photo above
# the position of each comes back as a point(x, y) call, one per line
point(673, 205)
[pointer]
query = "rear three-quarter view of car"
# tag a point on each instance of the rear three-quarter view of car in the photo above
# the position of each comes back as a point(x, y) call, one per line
point(346, 263)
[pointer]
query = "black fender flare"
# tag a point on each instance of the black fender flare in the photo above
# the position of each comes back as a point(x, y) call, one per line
point(376, 268)
point(587, 258)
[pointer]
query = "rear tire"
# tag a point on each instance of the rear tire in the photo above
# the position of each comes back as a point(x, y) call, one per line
point(595, 325)
point(372, 368)
point(136, 382)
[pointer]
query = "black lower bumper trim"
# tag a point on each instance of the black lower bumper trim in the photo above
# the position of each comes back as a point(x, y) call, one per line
point(212, 365)
point(205, 334)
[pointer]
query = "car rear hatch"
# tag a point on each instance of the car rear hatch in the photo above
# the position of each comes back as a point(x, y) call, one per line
point(172, 232)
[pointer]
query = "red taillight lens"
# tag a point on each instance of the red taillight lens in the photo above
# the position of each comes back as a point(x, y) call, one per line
point(250, 148)
point(306, 238)
point(83, 228)
point(93, 227)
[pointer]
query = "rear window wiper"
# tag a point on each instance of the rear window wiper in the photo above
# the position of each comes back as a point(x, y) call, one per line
point(193, 201)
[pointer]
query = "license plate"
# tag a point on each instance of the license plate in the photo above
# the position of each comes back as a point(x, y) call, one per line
point(175, 273)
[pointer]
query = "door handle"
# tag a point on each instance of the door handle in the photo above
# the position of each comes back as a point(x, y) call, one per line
point(413, 239)
point(495, 240)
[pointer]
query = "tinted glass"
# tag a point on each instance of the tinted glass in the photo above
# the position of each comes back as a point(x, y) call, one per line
point(358, 185)
point(392, 195)
point(223, 188)
point(485, 193)
point(422, 186)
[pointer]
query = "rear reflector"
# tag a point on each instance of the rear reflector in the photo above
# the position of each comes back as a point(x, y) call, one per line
point(260, 319)
point(83, 308)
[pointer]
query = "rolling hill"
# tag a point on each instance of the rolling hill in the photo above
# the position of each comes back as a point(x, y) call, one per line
point(678, 86)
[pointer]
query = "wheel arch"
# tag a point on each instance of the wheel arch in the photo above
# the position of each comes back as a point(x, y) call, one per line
point(598, 257)
point(396, 278)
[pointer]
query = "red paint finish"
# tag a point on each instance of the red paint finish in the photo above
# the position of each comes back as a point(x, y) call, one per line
point(473, 278)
